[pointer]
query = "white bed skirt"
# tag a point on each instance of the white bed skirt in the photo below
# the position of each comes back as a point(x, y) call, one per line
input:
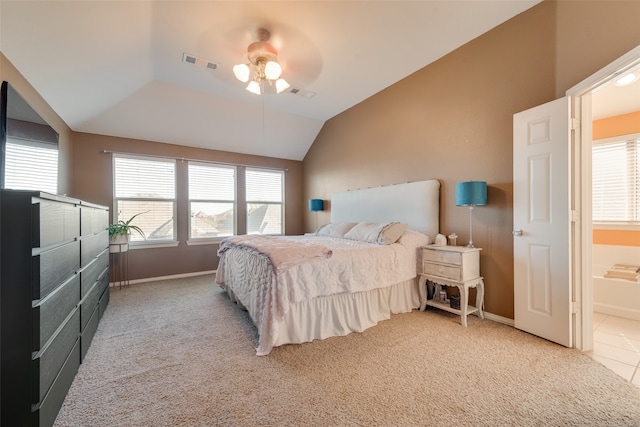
point(339, 315)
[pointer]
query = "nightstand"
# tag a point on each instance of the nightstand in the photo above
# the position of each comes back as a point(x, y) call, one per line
point(457, 266)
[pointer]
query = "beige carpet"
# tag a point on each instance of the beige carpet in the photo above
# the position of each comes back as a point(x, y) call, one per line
point(178, 353)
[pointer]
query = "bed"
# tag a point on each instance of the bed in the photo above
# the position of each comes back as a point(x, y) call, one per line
point(345, 277)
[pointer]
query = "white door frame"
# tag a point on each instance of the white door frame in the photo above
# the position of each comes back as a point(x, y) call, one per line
point(580, 199)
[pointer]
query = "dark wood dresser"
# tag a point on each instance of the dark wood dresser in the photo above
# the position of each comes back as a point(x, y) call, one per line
point(54, 288)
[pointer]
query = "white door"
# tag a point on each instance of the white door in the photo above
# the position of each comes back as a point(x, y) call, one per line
point(541, 189)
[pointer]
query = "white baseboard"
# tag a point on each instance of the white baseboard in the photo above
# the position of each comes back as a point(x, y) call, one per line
point(617, 311)
point(159, 278)
point(499, 319)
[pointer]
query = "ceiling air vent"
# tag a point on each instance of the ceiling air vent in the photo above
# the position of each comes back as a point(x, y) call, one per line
point(200, 62)
point(303, 93)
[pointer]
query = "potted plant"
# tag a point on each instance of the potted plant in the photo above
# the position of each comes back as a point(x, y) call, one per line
point(120, 231)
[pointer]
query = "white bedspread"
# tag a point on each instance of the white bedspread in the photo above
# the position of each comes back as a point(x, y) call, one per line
point(354, 266)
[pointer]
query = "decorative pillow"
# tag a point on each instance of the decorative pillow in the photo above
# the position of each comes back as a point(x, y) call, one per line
point(375, 232)
point(338, 229)
point(414, 238)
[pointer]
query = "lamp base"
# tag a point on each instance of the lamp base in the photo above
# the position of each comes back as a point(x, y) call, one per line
point(469, 245)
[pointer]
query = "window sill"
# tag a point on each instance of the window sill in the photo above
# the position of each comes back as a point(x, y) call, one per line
point(199, 242)
point(616, 225)
point(148, 245)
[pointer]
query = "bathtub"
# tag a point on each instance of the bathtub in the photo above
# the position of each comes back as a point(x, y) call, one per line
point(616, 297)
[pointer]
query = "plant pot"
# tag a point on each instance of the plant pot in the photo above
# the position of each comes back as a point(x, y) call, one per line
point(119, 239)
point(118, 243)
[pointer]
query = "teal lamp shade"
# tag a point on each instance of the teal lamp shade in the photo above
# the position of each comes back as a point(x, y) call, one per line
point(471, 193)
point(315, 205)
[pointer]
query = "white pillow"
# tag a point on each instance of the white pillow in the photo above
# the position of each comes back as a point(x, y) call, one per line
point(375, 232)
point(338, 229)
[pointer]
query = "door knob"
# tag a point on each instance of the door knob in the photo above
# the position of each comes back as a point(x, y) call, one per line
point(517, 233)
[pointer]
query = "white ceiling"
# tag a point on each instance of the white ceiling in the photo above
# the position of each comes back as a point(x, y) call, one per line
point(612, 100)
point(115, 67)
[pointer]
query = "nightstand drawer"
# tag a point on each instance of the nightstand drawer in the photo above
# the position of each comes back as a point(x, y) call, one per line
point(445, 257)
point(445, 271)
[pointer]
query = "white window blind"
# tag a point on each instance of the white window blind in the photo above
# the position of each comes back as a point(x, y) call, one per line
point(265, 197)
point(212, 200)
point(31, 165)
point(147, 187)
point(616, 179)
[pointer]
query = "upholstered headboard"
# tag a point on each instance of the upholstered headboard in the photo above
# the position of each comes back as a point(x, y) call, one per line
point(416, 204)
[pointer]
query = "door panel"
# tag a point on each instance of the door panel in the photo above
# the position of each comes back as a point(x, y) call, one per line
point(541, 168)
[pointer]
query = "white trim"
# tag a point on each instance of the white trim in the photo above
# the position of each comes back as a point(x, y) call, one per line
point(583, 235)
point(143, 245)
point(171, 277)
point(622, 225)
point(198, 242)
point(499, 319)
point(624, 312)
point(608, 74)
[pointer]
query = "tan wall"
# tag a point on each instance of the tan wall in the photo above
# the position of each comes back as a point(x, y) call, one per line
point(591, 35)
point(452, 121)
point(93, 180)
point(10, 74)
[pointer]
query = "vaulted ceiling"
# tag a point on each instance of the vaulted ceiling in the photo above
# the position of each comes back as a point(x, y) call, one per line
point(116, 67)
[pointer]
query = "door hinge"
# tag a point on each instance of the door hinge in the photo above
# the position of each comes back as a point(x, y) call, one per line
point(574, 307)
point(573, 216)
point(573, 122)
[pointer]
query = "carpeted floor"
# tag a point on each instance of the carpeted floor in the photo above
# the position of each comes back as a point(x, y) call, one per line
point(178, 353)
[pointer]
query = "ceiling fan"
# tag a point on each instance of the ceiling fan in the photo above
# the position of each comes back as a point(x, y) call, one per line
point(263, 65)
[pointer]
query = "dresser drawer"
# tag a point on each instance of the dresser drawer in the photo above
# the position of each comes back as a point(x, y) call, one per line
point(47, 364)
point(93, 220)
point(103, 282)
point(91, 272)
point(45, 414)
point(89, 304)
point(445, 271)
point(445, 257)
point(91, 246)
point(52, 311)
point(54, 266)
point(89, 331)
point(104, 300)
point(54, 222)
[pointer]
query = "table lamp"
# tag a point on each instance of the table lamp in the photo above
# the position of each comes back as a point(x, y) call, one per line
point(472, 194)
point(315, 205)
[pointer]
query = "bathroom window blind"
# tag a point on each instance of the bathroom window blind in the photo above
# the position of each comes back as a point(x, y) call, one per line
point(616, 179)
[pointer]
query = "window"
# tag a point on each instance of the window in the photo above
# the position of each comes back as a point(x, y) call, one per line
point(265, 191)
point(212, 200)
point(616, 179)
point(31, 165)
point(146, 186)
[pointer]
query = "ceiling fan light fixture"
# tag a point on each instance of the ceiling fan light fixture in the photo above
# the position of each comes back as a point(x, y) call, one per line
point(254, 87)
point(242, 72)
point(263, 65)
point(272, 70)
point(281, 84)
